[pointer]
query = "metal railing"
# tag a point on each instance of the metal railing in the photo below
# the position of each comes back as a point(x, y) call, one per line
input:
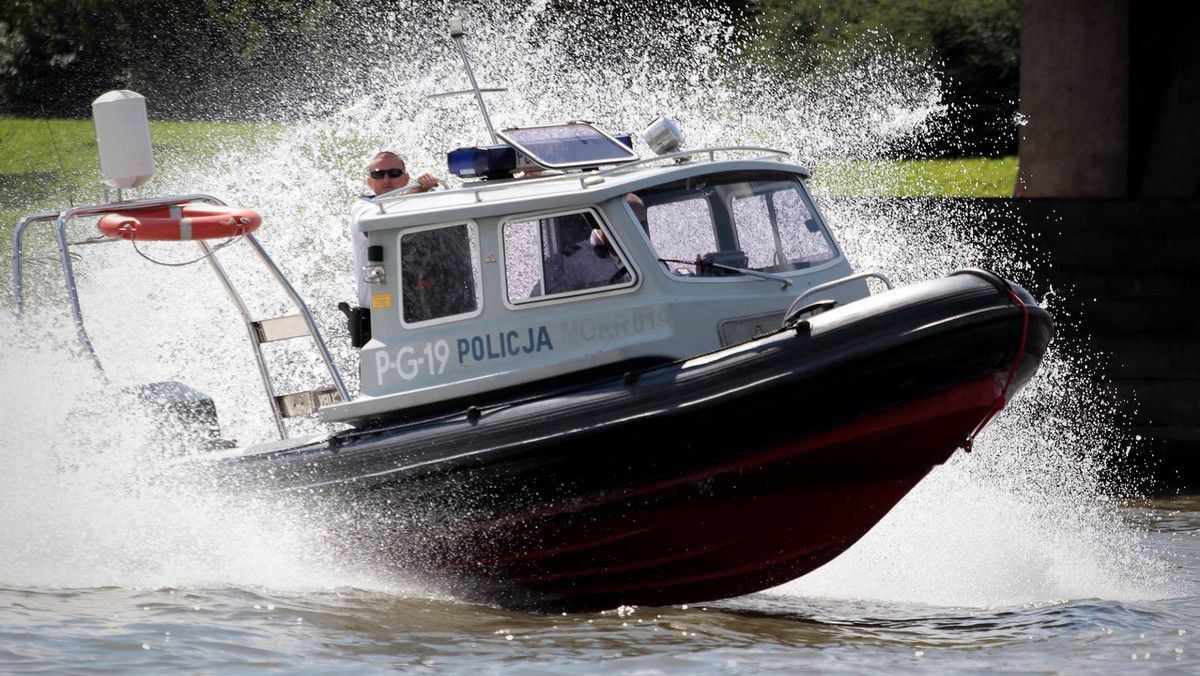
point(586, 179)
point(768, 154)
point(795, 309)
point(253, 327)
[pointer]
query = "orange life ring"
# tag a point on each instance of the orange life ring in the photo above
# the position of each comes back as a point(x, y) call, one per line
point(180, 222)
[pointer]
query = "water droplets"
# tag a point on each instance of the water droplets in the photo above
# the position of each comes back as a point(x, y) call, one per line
point(1017, 521)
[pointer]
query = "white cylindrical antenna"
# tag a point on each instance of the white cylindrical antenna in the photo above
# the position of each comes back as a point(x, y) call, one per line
point(123, 138)
point(456, 34)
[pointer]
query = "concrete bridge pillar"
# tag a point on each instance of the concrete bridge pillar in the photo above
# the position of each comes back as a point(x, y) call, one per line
point(1074, 98)
point(1110, 96)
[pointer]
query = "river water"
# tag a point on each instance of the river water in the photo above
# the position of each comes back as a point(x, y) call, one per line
point(1034, 553)
point(1051, 608)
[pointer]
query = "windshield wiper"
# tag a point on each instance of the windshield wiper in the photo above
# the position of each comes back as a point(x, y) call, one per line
point(702, 264)
point(769, 276)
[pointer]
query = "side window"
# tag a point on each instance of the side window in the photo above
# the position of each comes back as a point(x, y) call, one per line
point(777, 230)
point(804, 242)
point(756, 234)
point(439, 273)
point(558, 254)
point(681, 229)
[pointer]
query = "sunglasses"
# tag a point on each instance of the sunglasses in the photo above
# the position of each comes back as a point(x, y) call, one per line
point(390, 173)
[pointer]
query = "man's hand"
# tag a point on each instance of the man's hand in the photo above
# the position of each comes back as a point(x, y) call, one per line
point(424, 183)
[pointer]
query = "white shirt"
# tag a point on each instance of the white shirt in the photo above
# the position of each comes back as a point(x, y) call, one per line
point(359, 242)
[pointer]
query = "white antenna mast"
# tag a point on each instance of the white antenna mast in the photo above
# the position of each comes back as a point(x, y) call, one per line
point(456, 34)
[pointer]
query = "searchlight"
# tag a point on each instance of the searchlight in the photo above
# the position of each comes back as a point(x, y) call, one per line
point(662, 136)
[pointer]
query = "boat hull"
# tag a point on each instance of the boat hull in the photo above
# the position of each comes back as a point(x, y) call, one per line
point(737, 527)
point(693, 481)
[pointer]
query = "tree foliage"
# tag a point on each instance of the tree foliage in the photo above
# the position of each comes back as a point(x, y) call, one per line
point(214, 59)
point(974, 45)
point(274, 59)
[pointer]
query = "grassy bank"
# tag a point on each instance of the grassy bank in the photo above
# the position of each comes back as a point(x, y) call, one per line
point(965, 177)
point(48, 164)
point(70, 145)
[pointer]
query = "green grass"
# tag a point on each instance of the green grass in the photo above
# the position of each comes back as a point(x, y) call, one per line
point(49, 164)
point(968, 177)
point(70, 145)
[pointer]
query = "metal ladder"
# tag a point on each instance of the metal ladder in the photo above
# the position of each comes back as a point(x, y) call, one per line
point(260, 331)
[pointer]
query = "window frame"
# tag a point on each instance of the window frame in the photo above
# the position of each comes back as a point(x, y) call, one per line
point(476, 273)
point(806, 200)
point(598, 217)
point(726, 192)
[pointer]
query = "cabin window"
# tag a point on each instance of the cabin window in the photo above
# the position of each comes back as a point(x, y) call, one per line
point(680, 229)
point(558, 254)
point(439, 273)
point(777, 230)
point(759, 220)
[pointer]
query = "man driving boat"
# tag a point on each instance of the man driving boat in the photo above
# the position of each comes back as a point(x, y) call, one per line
point(386, 173)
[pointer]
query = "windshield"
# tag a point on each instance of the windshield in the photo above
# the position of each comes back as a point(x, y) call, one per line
point(758, 220)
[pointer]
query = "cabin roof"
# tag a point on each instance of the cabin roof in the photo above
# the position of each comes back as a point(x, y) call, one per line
point(482, 199)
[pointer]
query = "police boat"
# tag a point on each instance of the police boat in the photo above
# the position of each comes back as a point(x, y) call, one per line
point(591, 379)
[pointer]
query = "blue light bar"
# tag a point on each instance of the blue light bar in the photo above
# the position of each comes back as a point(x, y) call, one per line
point(489, 162)
point(483, 162)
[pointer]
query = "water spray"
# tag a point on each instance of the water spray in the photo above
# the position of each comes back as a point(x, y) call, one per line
point(456, 33)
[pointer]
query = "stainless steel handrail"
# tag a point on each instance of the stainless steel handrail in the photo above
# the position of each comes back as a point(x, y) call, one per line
point(244, 311)
point(63, 217)
point(260, 360)
point(771, 154)
point(788, 316)
point(304, 312)
point(18, 235)
point(586, 179)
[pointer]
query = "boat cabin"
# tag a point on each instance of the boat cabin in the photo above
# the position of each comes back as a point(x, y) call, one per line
point(578, 267)
point(564, 258)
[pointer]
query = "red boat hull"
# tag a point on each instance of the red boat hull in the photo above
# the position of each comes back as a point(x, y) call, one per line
point(685, 482)
point(731, 529)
